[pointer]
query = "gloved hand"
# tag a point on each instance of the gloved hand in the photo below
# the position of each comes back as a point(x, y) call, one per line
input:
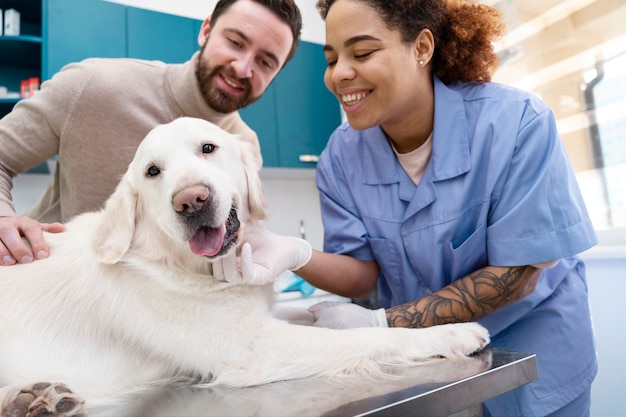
point(264, 256)
point(342, 315)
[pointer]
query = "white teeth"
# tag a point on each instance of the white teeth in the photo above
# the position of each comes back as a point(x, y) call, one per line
point(230, 83)
point(352, 99)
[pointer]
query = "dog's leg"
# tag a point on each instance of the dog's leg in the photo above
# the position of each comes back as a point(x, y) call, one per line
point(283, 351)
point(42, 399)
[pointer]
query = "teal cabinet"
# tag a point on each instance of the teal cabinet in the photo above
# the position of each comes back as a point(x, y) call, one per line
point(160, 36)
point(260, 116)
point(297, 114)
point(73, 33)
point(307, 112)
point(79, 29)
point(20, 56)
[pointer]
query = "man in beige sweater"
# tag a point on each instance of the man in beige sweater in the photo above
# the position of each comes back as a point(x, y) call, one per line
point(94, 113)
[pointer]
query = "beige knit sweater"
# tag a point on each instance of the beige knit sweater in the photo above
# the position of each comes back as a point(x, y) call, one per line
point(92, 115)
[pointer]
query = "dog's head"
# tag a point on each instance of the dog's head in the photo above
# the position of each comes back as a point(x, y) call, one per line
point(191, 183)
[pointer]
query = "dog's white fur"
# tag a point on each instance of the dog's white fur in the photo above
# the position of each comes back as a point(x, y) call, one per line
point(123, 301)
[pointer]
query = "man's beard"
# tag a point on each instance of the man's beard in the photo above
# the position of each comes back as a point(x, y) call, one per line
point(219, 100)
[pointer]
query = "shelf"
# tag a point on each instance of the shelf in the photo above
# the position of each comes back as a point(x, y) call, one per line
point(20, 56)
point(22, 51)
point(6, 105)
point(20, 38)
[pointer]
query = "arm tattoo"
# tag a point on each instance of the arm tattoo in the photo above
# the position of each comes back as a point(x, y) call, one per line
point(467, 299)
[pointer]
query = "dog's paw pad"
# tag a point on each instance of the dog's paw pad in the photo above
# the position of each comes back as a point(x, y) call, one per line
point(45, 400)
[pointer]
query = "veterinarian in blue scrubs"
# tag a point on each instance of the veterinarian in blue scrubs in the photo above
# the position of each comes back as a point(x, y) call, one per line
point(453, 195)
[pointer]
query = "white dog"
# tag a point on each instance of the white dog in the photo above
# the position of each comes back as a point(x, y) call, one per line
point(127, 296)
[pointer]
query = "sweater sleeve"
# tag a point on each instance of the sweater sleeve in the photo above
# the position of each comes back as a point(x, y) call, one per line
point(29, 134)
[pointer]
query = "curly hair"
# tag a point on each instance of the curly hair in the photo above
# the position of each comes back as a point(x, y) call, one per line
point(286, 10)
point(463, 31)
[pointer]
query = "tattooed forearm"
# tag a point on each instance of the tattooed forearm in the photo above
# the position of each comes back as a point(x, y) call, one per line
point(467, 299)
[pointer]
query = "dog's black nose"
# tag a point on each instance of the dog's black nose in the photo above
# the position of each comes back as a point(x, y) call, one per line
point(191, 199)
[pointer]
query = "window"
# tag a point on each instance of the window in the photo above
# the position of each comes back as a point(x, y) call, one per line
point(572, 53)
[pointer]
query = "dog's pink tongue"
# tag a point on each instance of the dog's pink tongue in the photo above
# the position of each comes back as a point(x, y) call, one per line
point(207, 241)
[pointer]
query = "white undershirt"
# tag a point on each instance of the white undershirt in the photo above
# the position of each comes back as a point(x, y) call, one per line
point(414, 164)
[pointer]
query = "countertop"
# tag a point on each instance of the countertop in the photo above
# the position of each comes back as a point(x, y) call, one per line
point(440, 388)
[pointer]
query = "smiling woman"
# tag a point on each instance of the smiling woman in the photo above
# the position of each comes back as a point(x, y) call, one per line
point(451, 195)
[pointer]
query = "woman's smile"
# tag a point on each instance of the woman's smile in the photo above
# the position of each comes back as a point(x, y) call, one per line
point(355, 101)
point(352, 99)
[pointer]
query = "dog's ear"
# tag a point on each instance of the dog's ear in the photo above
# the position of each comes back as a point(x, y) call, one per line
point(256, 198)
point(115, 232)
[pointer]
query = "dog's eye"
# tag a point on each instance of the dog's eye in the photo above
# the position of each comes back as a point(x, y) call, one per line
point(153, 171)
point(208, 148)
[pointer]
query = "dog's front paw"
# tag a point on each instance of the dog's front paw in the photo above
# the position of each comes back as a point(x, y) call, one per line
point(463, 339)
point(44, 399)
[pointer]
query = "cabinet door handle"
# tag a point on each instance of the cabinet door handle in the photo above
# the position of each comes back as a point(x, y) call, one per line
point(308, 158)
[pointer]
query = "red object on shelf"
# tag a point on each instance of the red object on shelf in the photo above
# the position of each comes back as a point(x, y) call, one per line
point(29, 87)
point(33, 85)
point(24, 89)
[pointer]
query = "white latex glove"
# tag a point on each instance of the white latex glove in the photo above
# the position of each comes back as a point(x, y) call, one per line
point(225, 268)
point(264, 256)
point(342, 315)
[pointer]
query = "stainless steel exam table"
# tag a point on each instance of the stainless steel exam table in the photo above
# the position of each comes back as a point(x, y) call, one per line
point(443, 388)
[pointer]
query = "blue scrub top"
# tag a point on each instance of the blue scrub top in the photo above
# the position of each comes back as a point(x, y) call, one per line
point(498, 190)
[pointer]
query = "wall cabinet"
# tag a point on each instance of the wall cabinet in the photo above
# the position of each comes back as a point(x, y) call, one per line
point(297, 114)
point(79, 29)
point(155, 35)
point(20, 56)
point(119, 31)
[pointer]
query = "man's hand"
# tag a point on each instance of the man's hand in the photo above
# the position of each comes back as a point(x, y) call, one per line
point(14, 230)
point(341, 315)
point(264, 256)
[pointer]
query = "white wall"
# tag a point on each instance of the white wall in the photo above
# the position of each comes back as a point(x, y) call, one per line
point(605, 277)
point(292, 197)
point(312, 24)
